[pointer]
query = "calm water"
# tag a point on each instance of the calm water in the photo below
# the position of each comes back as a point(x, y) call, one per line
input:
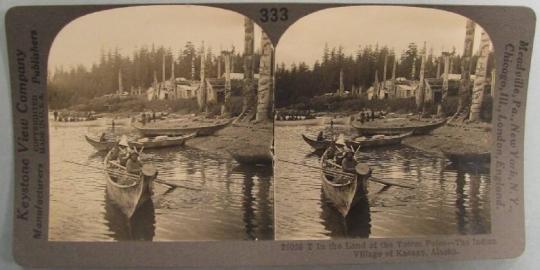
point(234, 202)
point(448, 200)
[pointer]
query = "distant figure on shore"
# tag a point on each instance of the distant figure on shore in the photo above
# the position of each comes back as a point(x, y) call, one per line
point(143, 119)
point(55, 113)
point(372, 115)
point(153, 116)
point(362, 117)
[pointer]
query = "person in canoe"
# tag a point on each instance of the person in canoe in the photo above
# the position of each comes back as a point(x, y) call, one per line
point(102, 137)
point(320, 137)
point(133, 165)
point(124, 150)
point(348, 163)
point(115, 152)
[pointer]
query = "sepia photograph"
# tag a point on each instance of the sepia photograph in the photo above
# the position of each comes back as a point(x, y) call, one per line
point(161, 126)
point(382, 125)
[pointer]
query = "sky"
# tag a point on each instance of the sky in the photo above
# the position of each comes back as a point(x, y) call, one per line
point(82, 40)
point(352, 27)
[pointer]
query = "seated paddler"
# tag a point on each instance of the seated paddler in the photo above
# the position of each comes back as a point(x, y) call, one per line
point(348, 163)
point(133, 165)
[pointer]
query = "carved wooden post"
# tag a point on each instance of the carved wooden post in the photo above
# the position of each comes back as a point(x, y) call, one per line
point(264, 91)
point(464, 86)
point(249, 88)
point(202, 87)
point(420, 95)
point(227, 93)
point(480, 79)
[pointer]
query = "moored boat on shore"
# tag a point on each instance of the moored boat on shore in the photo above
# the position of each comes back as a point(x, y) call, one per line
point(467, 157)
point(201, 129)
point(252, 155)
point(303, 122)
point(99, 145)
point(419, 129)
point(161, 141)
point(377, 141)
point(316, 144)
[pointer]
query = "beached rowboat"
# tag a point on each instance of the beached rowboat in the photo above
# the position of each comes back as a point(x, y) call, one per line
point(161, 141)
point(201, 130)
point(417, 129)
point(343, 191)
point(317, 145)
point(304, 122)
point(99, 145)
point(128, 197)
point(377, 141)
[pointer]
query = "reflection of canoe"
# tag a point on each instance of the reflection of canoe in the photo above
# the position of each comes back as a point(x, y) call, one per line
point(128, 197)
point(458, 157)
point(98, 145)
point(304, 122)
point(357, 224)
point(343, 191)
point(377, 141)
point(252, 155)
point(141, 226)
point(417, 129)
point(317, 145)
point(160, 142)
point(200, 130)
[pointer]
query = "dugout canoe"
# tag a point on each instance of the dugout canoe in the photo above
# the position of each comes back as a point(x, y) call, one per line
point(304, 122)
point(416, 129)
point(128, 197)
point(469, 157)
point(258, 155)
point(315, 144)
point(204, 130)
point(377, 141)
point(99, 145)
point(344, 192)
point(161, 142)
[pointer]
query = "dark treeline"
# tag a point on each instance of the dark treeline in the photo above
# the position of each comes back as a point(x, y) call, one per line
point(300, 82)
point(80, 84)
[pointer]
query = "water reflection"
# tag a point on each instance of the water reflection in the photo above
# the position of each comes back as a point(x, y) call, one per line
point(450, 199)
point(220, 201)
point(356, 225)
point(141, 226)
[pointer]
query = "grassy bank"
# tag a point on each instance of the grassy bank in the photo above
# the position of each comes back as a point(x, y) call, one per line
point(132, 104)
point(398, 105)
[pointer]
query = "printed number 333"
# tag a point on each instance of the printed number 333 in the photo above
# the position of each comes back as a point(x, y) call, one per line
point(273, 14)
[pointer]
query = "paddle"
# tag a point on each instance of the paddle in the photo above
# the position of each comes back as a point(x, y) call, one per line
point(157, 180)
point(362, 172)
point(326, 170)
